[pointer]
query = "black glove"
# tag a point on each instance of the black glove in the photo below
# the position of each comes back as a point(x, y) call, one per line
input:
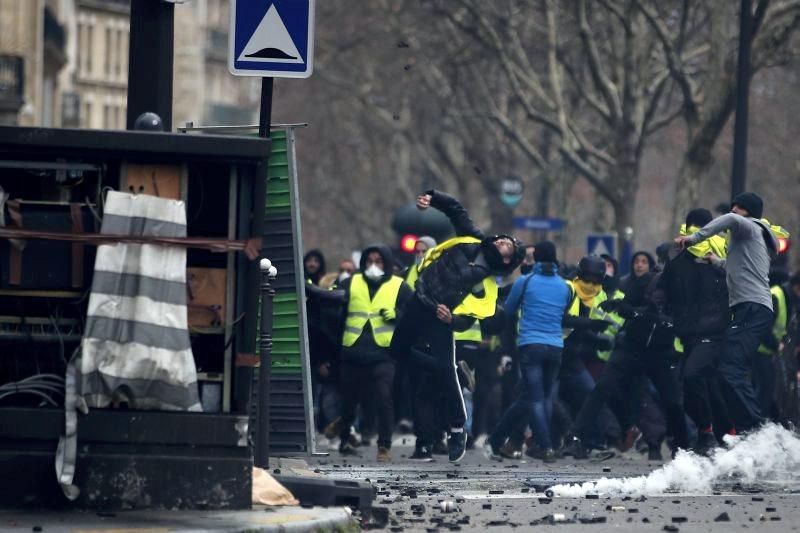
point(609, 306)
point(598, 324)
point(603, 343)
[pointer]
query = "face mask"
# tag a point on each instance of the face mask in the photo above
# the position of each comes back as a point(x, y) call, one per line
point(587, 291)
point(343, 275)
point(373, 272)
point(418, 259)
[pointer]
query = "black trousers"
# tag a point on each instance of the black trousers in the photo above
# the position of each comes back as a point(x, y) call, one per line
point(488, 397)
point(368, 383)
point(620, 382)
point(751, 324)
point(702, 391)
point(764, 380)
point(428, 344)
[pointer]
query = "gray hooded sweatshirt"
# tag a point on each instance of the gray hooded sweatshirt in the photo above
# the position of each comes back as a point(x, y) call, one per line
point(749, 252)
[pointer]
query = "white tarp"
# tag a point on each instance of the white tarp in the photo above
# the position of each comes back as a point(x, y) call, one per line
point(136, 346)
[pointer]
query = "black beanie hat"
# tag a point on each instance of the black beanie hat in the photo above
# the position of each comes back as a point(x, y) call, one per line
point(698, 217)
point(750, 201)
point(544, 252)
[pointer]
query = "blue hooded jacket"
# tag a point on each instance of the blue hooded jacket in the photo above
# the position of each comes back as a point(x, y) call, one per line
point(546, 296)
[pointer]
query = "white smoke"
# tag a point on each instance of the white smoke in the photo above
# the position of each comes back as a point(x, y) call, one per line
point(770, 455)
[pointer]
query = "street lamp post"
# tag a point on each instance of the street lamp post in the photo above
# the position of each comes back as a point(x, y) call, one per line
point(739, 171)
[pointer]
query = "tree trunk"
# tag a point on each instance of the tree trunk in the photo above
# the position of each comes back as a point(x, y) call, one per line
point(694, 168)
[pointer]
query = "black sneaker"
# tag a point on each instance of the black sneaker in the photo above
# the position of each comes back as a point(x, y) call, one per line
point(346, 448)
point(547, 455)
point(490, 453)
point(654, 453)
point(440, 447)
point(457, 446)
point(422, 454)
point(576, 449)
point(706, 442)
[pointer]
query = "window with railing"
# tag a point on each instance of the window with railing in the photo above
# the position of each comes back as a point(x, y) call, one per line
point(12, 78)
point(89, 46)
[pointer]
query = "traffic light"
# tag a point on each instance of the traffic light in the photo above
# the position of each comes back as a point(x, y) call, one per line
point(407, 243)
point(782, 259)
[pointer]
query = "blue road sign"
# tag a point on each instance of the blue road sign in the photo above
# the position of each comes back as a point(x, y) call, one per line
point(539, 223)
point(601, 243)
point(272, 38)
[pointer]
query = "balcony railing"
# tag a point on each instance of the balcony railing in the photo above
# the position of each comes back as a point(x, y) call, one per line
point(12, 80)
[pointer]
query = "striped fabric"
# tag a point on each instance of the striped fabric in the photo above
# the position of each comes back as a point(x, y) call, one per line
point(136, 345)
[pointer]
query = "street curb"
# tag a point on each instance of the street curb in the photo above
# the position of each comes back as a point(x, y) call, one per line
point(261, 519)
point(296, 519)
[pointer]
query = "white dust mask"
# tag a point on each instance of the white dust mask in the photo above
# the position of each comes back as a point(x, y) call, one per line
point(373, 272)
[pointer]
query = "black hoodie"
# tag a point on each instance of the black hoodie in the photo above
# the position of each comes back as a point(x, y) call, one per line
point(314, 278)
point(626, 281)
point(365, 350)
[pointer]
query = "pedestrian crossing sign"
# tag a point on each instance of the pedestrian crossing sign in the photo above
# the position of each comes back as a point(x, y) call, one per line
point(271, 38)
point(601, 244)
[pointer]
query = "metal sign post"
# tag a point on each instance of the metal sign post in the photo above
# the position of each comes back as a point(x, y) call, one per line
point(272, 40)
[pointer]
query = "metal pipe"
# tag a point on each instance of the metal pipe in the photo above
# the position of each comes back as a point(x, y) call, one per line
point(245, 127)
point(261, 455)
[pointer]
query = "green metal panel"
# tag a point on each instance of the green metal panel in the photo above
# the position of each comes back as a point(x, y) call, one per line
point(286, 348)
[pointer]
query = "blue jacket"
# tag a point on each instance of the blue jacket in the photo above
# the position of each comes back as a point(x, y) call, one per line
point(543, 304)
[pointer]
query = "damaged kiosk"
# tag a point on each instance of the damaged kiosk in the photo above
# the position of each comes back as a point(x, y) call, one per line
point(129, 306)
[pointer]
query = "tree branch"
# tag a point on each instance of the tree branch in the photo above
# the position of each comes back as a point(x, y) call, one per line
point(533, 154)
point(601, 80)
point(674, 63)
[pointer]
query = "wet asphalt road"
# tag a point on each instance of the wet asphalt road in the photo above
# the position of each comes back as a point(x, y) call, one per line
point(509, 495)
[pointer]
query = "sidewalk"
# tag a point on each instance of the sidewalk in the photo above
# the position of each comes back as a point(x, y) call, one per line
point(259, 519)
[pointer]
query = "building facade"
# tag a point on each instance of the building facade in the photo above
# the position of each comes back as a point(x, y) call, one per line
point(32, 53)
point(64, 63)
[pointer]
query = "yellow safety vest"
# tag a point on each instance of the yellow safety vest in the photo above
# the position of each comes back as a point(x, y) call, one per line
point(473, 334)
point(616, 324)
point(479, 307)
point(412, 276)
point(677, 345)
point(781, 319)
point(361, 309)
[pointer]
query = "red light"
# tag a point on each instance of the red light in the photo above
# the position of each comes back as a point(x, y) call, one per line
point(783, 244)
point(408, 242)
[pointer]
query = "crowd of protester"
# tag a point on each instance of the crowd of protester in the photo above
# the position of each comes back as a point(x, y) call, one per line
point(484, 341)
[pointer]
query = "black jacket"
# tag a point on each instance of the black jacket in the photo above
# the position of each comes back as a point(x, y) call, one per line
point(647, 326)
point(585, 340)
point(696, 297)
point(460, 269)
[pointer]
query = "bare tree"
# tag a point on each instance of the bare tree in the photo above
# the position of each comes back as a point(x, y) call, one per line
point(700, 54)
point(585, 72)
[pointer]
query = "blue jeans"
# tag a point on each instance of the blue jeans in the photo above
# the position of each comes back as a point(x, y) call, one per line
point(539, 367)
